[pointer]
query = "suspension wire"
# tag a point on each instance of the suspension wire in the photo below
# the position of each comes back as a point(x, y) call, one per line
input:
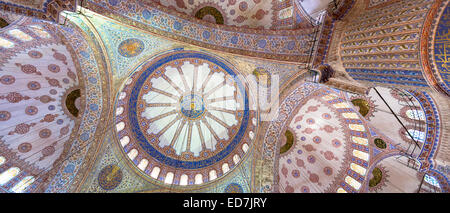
point(396, 117)
point(410, 107)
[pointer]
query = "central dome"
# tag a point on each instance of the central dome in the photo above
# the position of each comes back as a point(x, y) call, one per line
point(185, 113)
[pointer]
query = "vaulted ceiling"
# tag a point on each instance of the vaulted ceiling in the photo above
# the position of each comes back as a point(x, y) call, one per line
point(269, 14)
point(154, 95)
point(259, 14)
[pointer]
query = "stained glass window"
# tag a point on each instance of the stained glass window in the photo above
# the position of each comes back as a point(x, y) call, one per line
point(5, 43)
point(212, 175)
point(431, 180)
point(361, 155)
point(417, 135)
point(19, 34)
point(9, 174)
point(40, 31)
point(23, 184)
point(2, 160)
point(225, 167)
point(143, 164)
point(155, 172)
point(415, 114)
point(357, 168)
point(132, 154)
point(183, 180)
point(198, 179)
point(341, 190)
point(352, 182)
point(169, 178)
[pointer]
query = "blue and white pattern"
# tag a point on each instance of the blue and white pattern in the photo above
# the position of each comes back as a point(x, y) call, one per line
point(185, 111)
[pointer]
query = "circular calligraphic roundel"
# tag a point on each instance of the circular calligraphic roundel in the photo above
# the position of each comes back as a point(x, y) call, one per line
point(131, 47)
point(184, 118)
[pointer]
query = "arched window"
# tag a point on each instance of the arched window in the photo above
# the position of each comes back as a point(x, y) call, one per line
point(5, 43)
point(169, 178)
point(122, 95)
point(119, 111)
point(19, 34)
point(124, 141)
point(132, 154)
point(357, 168)
point(431, 180)
point(251, 134)
point(352, 182)
point(361, 155)
point(120, 126)
point(417, 135)
point(245, 147)
point(155, 172)
point(198, 179)
point(225, 168)
point(9, 174)
point(2, 160)
point(236, 159)
point(143, 164)
point(212, 174)
point(285, 13)
point(184, 180)
point(40, 31)
point(415, 114)
point(23, 184)
point(357, 127)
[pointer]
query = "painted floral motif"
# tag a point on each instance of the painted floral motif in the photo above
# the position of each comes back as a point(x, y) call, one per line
point(32, 76)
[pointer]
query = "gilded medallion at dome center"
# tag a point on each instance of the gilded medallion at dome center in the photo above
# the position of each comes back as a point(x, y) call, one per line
point(192, 106)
